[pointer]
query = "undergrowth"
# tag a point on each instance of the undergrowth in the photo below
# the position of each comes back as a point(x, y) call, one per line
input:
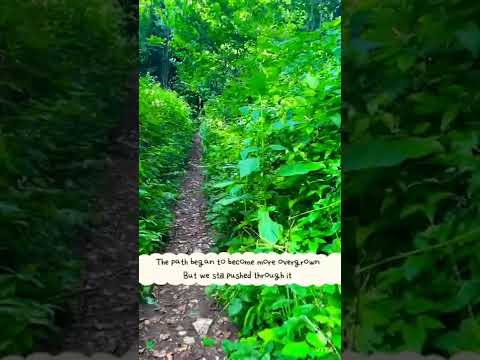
point(411, 177)
point(57, 105)
point(166, 132)
point(273, 156)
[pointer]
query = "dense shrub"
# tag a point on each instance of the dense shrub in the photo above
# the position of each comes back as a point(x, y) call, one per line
point(273, 157)
point(412, 185)
point(268, 73)
point(63, 68)
point(166, 131)
point(278, 156)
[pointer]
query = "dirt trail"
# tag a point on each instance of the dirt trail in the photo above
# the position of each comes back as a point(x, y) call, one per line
point(181, 309)
point(104, 313)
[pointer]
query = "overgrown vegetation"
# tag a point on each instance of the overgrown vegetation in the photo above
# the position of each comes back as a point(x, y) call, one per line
point(273, 155)
point(411, 188)
point(58, 92)
point(166, 132)
point(266, 76)
point(273, 146)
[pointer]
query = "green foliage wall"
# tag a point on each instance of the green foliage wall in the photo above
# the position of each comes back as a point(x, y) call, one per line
point(411, 186)
point(273, 146)
point(273, 154)
point(166, 132)
point(57, 95)
point(209, 37)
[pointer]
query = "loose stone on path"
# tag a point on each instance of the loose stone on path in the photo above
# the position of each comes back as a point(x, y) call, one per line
point(202, 325)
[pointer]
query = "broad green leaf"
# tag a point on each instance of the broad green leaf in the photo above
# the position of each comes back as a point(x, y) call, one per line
point(467, 338)
point(267, 335)
point(317, 340)
point(385, 153)
point(312, 81)
point(299, 168)
point(244, 110)
point(235, 307)
point(208, 342)
point(280, 303)
point(429, 322)
point(336, 120)
point(248, 166)
point(297, 350)
point(469, 294)
point(229, 200)
point(244, 153)
point(156, 41)
point(265, 357)
point(268, 229)
point(258, 83)
point(337, 340)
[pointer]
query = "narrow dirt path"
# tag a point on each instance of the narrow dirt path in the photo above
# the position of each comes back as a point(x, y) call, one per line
point(104, 313)
point(184, 315)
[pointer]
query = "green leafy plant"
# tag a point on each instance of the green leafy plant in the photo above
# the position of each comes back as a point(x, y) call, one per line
point(166, 132)
point(208, 342)
point(272, 151)
point(150, 344)
point(265, 77)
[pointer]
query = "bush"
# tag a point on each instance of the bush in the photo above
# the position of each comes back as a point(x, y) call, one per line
point(166, 137)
